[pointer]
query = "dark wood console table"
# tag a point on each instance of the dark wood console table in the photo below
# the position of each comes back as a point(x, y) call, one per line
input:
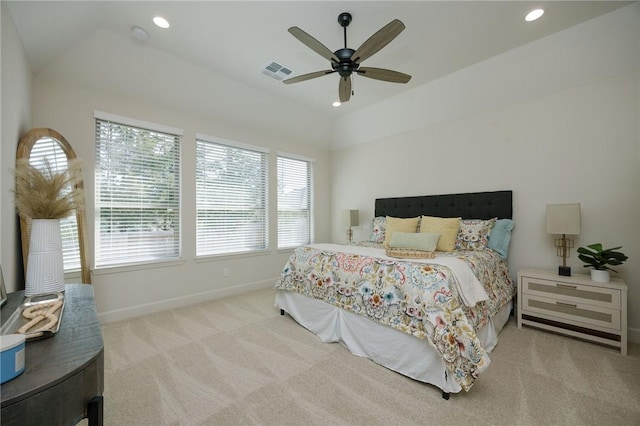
point(63, 379)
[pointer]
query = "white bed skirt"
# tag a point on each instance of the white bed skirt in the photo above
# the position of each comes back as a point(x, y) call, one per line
point(391, 348)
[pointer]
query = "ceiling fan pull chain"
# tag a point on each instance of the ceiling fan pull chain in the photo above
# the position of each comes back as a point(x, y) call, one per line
point(353, 92)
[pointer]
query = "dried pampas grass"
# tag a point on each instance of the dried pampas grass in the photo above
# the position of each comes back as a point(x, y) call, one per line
point(45, 193)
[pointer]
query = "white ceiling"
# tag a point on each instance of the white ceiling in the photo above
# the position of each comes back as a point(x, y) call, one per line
point(238, 39)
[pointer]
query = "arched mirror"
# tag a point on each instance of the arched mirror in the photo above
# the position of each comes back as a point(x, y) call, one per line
point(36, 145)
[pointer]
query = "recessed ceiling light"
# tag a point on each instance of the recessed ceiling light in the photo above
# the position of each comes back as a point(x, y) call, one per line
point(534, 14)
point(336, 104)
point(161, 22)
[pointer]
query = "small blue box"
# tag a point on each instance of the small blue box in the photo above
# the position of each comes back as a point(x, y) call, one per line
point(11, 356)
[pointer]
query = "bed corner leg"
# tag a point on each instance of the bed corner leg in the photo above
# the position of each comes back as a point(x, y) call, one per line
point(281, 311)
point(445, 395)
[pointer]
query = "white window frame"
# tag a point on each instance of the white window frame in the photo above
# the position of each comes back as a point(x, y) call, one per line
point(146, 246)
point(231, 235)
point(292, 240)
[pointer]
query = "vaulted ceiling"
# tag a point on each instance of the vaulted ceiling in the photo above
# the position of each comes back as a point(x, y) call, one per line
point(237, 39)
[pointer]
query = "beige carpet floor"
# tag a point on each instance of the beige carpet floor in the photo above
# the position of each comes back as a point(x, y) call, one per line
point(236, 361)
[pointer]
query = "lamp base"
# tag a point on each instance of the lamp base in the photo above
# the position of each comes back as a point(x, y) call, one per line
point(565, 271)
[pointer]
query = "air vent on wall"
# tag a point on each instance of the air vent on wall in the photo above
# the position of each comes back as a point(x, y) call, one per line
point(277, 71)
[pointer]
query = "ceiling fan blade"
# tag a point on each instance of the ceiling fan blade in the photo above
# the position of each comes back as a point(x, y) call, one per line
point(309, 76)
point(344, 89)
point(377, 41)
point(384, 74)
point(313, 44)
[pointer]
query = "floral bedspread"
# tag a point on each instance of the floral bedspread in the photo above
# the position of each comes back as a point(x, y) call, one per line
point(417, 298)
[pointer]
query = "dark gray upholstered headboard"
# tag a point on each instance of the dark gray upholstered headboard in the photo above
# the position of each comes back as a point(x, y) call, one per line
point(474, 205)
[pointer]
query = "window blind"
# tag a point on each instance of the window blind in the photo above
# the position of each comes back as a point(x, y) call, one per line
point(137, 194)
point(295, 201)
point(231, 198)
point(50, 149)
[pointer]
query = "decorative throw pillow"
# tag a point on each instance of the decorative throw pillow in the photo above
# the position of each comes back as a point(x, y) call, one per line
point(425, 241)
point(447, 227)
point(378, 226)
point(500, 237)
point(474, 234)
point(396, 224)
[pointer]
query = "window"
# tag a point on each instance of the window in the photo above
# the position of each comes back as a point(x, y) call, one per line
point(137, 191)
point(231, 197)
point(49, 149)
point(295, 201)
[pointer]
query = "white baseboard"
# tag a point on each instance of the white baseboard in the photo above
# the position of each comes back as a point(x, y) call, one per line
point(633, 334)
point(178, 302)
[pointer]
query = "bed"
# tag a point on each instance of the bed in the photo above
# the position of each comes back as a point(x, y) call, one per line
point(435, 320)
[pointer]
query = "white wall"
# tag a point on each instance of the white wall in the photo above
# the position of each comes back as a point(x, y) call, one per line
point(115, 74)
point(596, 49)
point(548, 139)
point(579, 143)
point(134, 291)
point(15, 91)
point(110, 62)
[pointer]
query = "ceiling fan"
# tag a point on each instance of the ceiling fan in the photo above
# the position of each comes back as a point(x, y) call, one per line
point(346, 61)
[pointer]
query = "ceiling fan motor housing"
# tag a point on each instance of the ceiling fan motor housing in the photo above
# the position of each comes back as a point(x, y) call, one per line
point(346, 66)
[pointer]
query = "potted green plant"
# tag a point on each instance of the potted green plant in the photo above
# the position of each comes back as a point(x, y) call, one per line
point(601, 260)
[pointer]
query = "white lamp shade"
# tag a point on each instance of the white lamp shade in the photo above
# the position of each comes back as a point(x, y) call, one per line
point(563, 219)
point(351, 218)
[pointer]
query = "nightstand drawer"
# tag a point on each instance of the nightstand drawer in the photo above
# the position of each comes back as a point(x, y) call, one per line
point(576, 312)
point(572, 293)
point(574, 306)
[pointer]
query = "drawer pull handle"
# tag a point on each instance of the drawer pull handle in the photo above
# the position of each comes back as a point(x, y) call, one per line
point(570, 305)
point(566, 286)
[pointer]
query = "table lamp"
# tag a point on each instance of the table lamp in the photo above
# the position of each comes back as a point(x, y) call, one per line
point(351, 218)
point(563, 219)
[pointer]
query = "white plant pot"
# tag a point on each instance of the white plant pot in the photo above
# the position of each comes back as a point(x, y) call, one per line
point(599, 276)
point(45, 265)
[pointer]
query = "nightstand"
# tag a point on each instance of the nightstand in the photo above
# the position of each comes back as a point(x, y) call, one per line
point(574, 306)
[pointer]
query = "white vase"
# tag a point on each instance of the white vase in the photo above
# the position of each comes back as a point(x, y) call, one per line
point(45, 265)
point(599, 276)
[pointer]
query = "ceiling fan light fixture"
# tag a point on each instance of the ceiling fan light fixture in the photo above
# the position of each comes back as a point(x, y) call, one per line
point(336, 103)
point(161, 22)
point(533, 15)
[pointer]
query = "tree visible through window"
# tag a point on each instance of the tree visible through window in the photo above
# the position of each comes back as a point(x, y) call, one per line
point(231, 197)
point(137, 193)
point(295, 201)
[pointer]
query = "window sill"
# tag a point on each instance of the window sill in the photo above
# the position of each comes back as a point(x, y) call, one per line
point(105, 270)
point(225, 256)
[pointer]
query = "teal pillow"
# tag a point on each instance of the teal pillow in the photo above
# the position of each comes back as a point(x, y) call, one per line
point(425, 241)
point(500, 237)
point(378, 229)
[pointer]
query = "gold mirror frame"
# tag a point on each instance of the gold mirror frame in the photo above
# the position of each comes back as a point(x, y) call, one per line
point(25, 146)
